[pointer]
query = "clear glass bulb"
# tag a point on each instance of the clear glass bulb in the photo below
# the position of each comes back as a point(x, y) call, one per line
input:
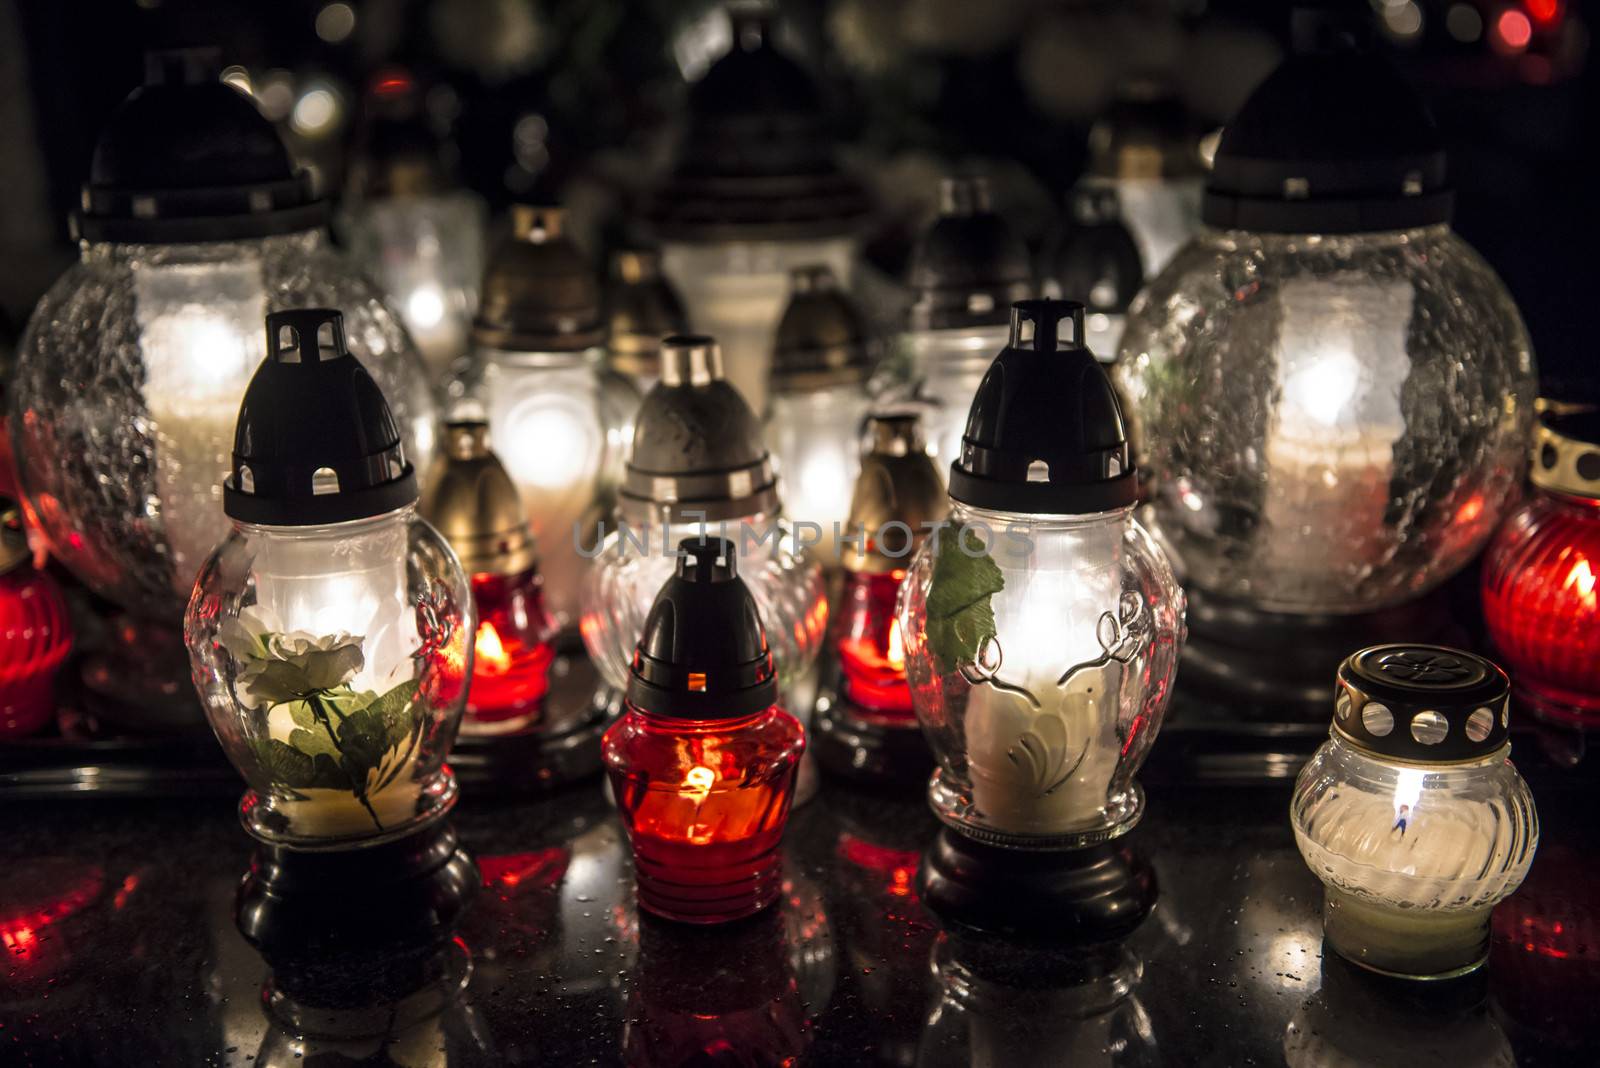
point(561, 423)
point(788, 588)
point(1040, 720)
point(1412, 856)
point(1331, 424)
point(427, 252)
point(333, 664)
point(942, 369)
point(129, 382)
point(815, 437)
point(736, 291)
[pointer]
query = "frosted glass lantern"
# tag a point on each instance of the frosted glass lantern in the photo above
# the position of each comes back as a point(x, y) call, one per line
point(699, 465)
point(1330, 390)
point(755, 194)
point(330, 632)
point(194, 226)
point(966, 272)
point(1411, 813)
point(1042, 628)
point(819, 401)
point(559, 418)
point(410, 225)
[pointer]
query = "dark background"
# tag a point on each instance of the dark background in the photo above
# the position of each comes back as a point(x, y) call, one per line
point(581, 99)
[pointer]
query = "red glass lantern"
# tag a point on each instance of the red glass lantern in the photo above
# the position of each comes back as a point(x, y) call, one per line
point(473, 503)
point(1541, 576)
point(35, 635)
point(872, 658)
point(703, 761)
point(866, 730)
point(511, 669)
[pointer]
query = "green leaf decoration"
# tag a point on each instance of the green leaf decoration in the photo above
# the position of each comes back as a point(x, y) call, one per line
point(960, 614)
point(297, 770)
point(368, 734)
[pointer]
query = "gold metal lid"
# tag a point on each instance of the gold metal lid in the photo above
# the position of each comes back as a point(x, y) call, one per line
point(1566, 454)
point(1146, 133)
point(14, 551)
point(641, 309)
point(538, 292)
point(823, 339)
point(899, 484)
point(472, 502)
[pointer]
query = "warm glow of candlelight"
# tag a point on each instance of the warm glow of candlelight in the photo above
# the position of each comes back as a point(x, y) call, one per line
point(492, 656)
point(1582, 580)
point(697, 783)
point(897, 648)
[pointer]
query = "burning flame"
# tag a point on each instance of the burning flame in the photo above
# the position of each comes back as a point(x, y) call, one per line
point(697, 783)
point(897, 646)
point(492, 656)
point(1582, 579)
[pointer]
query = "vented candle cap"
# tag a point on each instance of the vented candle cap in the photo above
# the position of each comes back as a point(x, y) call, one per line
point(703, 654)
point(1423, 704)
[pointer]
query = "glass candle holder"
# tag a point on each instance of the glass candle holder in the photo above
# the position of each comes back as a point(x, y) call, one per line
point(1042, 628)
point(409, 223)
point(755, 194)
point(699, 464)
point(1283, 374)
point(471, 501)
point(1541, 573)
point(866, 727)
point(559, 418)
point(1411, 813)
point(819, 401)
point(703, 762)
point(134, 363)
point(966, 271)
point(35, 632)
point(331, 631)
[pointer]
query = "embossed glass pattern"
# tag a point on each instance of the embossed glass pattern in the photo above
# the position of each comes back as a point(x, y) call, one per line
point(1040, 726)
point(1413, 856)
point(129, 381)
point(1331, 423)
point(333, 665)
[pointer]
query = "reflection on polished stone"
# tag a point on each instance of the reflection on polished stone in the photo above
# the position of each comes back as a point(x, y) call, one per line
point(1363, 1020)
point(407, 1012)
point(1008, 1004)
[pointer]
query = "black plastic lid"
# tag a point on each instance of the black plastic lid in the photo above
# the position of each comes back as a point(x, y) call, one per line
point(758, 158)
point(1424, 704)
point(1098, 262)
point(1045, 434)
point(188, 157)
point(1334, 141)
point(703, 654)
point(968, 268)
point(316, 442)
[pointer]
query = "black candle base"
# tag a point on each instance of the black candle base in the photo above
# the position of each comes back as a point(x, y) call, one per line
point(1080, 895)
point(1286, 663)
point(852, 747)
point(307, 911)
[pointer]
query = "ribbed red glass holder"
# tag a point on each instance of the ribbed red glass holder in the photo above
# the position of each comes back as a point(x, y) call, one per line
point(35, 637)
point(512, 653)
point(1541, 599)
point(705, 803)
point(871, 654)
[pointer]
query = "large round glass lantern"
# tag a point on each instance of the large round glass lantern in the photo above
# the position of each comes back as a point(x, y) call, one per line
point(1330, 389)
point(967, 270)
point(1145, 151)
point(818, 402)
point(194, 226)
point(559, 418)
point(756, 192)
point(699, 464)
point(410, 225)
point(1041, 628)
point(330, 631)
